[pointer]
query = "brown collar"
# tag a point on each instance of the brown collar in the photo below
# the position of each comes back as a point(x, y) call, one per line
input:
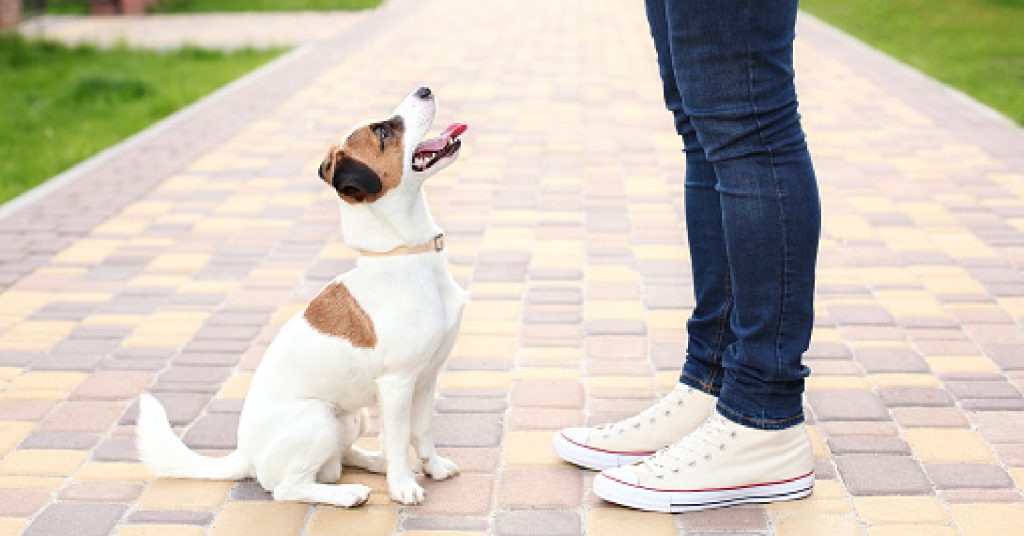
point(435, 244)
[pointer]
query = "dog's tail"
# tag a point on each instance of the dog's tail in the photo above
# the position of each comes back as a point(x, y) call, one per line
point(164, 453)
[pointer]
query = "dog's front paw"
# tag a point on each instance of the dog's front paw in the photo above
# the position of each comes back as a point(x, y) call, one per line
point(406, 491)
point(440, 468)
point(350, 495)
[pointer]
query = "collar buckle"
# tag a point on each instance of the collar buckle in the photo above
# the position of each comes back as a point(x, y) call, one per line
point(439, 242)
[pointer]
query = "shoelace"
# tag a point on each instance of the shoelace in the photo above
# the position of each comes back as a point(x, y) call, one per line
point(714, 434)
point(663, 407)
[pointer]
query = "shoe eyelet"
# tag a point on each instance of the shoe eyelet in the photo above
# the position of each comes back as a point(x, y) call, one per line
point(660, 477)
point(652, 420)
point(732, 435)
point(707, 457)
point(679, 402)
point(676, 471)
point(668, 412)
point(605, 436)
point(692, 464)
point(637, 425)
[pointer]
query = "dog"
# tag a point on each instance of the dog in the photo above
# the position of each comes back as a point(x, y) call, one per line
point(377, 333)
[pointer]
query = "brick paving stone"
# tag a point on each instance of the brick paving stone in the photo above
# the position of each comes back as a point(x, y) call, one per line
point(175, 517)
point(538, 523)
point(518, 487)
point(60, 440)
point(847, 406)
point(547, 394)
point(857, 444)
point(79, 518)
point(750, 519)
point(459, 430)
point(870, 474)
point(890, 360)
point(914, 396)
point(117, 492)
point(911, 417)
point(967, 476)
point(466, 494)
point(213, 431)
point(21, 503)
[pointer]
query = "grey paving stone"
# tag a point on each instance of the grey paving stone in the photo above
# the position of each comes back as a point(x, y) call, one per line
point(968, 476)
point(870, 474)
point(464, 430)
point(838, 405)
point(60, 440)
point(880, 360)
point(538, 523)
point(214, 431)
point(78, 518)
point(915, 396)
point(867, 444)
point(174, 517)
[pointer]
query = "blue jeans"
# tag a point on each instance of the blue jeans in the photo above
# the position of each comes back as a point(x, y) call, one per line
point(753, 215)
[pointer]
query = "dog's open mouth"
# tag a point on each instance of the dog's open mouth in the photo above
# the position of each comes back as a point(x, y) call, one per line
point(431, 151)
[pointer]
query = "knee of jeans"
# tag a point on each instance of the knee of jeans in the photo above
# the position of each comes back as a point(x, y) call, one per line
point(728, 134)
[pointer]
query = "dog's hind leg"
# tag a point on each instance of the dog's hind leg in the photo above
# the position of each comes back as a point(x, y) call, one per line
point(307, 446)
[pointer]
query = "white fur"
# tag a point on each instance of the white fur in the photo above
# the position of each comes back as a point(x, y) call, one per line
point(305, 406)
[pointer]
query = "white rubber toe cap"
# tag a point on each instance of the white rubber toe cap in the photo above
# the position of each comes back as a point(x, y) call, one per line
point(623, 475)
point(577, 435)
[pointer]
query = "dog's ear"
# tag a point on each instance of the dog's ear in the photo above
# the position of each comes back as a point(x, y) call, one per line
point(330, 163)
point(355, 180)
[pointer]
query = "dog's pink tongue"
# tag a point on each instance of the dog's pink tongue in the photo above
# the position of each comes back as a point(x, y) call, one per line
point(436, 144)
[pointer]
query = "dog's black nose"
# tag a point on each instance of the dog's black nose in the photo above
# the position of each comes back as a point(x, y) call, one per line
point(424, 93)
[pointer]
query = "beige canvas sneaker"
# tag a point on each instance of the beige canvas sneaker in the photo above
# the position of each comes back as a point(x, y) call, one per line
point(720, 464)
point(624, 442)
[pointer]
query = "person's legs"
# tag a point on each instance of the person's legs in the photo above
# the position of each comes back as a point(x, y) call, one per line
point(708, 327)
point(733, 61)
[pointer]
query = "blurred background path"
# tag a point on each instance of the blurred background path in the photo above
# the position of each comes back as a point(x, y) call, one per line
point(169, 263)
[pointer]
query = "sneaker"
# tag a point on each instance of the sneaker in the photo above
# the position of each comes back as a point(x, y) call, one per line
point(720, 464)
point(624, 442)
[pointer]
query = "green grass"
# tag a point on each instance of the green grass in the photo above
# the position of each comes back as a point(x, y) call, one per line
point(976, 46)
point(60, 105)
point(187, 6)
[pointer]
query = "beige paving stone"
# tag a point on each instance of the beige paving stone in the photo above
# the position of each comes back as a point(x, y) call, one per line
point(946, 445)
point(361, 521)
point(530, 448)
point(180, 494)
point(114, 471)
point(160, 530)
point(259, 517)
point(12, 433)
point(618, 521)
point(30, 462)
point(988, 518)
point(889, 510)
point(808, 524)
point(911, 530)
point(12, 526)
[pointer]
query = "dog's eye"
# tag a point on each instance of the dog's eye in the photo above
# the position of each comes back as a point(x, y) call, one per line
point(383, 132)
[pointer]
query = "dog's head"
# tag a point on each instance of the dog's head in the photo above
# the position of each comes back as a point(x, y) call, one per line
point(391, 154)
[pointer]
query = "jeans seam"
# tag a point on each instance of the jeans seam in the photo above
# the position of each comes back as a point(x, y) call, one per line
point(709, 388)
point(778, 198)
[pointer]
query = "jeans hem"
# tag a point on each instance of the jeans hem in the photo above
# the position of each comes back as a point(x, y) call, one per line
point(699, 385)
point(758, 423)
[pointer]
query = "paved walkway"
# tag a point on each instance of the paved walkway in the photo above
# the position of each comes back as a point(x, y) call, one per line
point(212, 30)
point(169, 264)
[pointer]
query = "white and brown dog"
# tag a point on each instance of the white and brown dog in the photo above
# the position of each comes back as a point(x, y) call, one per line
point(379, 332)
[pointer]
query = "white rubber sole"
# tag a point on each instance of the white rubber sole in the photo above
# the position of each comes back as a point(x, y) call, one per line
point(672, 501)
point(590, 457)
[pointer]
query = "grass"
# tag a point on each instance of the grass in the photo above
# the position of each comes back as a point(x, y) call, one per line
point(191, 6)
point(976, 46)
point(60, 105)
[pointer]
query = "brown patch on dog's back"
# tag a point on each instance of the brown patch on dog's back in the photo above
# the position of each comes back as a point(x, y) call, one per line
point(385, 157)
point(335, 312)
